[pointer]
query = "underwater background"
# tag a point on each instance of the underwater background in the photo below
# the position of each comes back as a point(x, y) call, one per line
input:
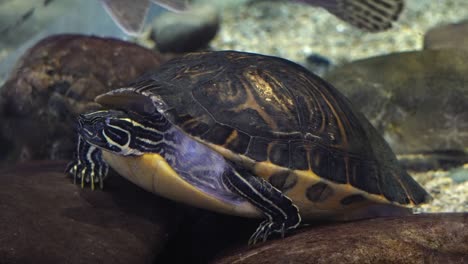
point(410, 81)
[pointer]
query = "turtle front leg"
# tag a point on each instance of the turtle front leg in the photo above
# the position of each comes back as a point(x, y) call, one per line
point(279, 210)
point(88, 166)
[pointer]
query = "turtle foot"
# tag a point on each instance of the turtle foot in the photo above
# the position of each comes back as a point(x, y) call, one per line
point(262, 232)
point(88, 166)
point(280, 212)
point(269, 227)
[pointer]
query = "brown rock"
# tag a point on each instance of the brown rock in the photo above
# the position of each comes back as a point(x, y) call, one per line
point(189, 31)
point(58, 78)
point(46, 219)
point(429, 238)
point(450, 36)
point(417, 100)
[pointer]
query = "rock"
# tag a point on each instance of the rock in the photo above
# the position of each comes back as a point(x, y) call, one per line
point(460, 174)
point(449, 36)
point(57, 79)
point(45, 217)
point(187, 31)
point(425, 238)
point(417, 100)
point(318, 64)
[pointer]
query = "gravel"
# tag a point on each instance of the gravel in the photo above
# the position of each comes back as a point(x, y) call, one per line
point(292, 30)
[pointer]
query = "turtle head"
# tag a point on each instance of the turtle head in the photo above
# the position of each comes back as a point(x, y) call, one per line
point(107, 129)
point(123, 132)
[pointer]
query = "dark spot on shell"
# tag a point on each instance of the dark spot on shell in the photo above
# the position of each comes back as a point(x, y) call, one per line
point(279, 154)
point(355, 198)
point(299, 158)
point(283, 180)
point(319, 192)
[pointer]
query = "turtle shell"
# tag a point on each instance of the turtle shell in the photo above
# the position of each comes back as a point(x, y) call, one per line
point(282, 122)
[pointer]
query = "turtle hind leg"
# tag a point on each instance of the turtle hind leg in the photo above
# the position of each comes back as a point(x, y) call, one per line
point(279, 210)
point(88, 165)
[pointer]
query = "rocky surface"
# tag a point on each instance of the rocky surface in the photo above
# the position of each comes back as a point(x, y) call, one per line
point(124, 224)
point(46, 218)
point(425, 238)
point(57, 79)
point(447, 36)
point(188, 31)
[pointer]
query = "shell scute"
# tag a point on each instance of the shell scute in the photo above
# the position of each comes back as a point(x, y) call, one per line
point(274, 115)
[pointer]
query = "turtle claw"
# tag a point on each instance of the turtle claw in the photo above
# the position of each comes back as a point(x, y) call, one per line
point(74, 168)
point(88, 166)
point(265, 229)
point(262, 232)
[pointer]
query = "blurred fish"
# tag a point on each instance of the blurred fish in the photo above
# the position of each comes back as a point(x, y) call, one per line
point(368, 15)
point(23, 17)
point(130, 15)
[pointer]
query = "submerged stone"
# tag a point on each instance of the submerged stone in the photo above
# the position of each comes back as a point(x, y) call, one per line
point(189, 31)
point(417, 100)
point(449, 36)
point(48, 219)
point(460, 174)
point(425, 238)
point(57, 79)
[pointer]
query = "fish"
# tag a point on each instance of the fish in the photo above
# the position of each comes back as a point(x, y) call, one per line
point(130, 15)
point(367, 15)
point(5, 29)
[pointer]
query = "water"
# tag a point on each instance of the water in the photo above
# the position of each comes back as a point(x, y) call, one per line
point(59, 16)
point(417, 99)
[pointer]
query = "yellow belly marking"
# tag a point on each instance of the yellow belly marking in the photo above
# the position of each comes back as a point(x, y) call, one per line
point(152, 173)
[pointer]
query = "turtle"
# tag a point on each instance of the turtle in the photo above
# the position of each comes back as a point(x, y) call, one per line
point(244, 134)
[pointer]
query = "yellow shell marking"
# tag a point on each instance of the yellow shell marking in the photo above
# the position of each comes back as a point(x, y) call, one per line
point(231, 138)
point(251, 103)
point(331, 207)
